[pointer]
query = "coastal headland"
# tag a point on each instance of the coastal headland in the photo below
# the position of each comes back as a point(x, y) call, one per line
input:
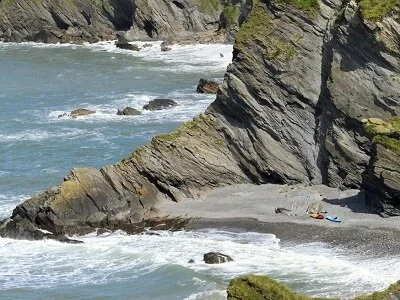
point(307, 112)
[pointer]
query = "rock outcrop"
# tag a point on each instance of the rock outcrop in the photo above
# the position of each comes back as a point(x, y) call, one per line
point(290, 110)
point(128, 111)
point(216, 258)
point(382, 179)
point(262, 287)
point(206, 86)
point(55, 21)
point(160, 104)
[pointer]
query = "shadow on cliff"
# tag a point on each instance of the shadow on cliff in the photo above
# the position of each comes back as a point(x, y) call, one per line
point(356, 203)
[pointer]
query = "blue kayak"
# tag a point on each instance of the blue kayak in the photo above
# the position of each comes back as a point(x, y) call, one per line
point(333, 219)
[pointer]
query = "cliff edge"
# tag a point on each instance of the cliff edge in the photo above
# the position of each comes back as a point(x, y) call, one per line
point(53, 21)
point(291, 109)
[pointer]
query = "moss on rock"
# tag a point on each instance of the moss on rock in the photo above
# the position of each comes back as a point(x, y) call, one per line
point(257, 287)
point(310, 7)
point(385, 133)
point(375, 10)
point(259, 29)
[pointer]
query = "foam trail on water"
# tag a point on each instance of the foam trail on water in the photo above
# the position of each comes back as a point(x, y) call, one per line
point(118, 257)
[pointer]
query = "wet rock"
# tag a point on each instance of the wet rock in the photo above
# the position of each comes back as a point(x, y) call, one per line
point(216, 258)
point(159, 104)
point(191, 261)
point(165, 46)
point(206, 86)
point(128, 111)
point(81, 112)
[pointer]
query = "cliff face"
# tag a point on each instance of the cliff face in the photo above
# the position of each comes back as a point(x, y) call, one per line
point(290, 110)
point(53, 21)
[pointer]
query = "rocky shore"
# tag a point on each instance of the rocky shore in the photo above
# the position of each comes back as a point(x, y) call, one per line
point(91, 21)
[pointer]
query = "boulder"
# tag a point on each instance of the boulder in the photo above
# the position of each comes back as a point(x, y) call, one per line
point(159, 104)
point(128, 111)
point(165, 46)
point(216, 258)
point(206, 86)
point(123, 43)
point(81, 112)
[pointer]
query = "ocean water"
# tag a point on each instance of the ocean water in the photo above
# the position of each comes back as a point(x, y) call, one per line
point(37, 148)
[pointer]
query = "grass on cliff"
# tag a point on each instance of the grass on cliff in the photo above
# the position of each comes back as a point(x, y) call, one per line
point(256, 287)
point(375, 10)
point(385, 133)
point(259, 28)
point(209, 6)
point(231, 14)
point(310, 7)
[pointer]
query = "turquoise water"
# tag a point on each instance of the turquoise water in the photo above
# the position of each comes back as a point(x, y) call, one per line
point(37, 148)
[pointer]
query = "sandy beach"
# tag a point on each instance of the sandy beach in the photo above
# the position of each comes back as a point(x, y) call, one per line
point(252, 208)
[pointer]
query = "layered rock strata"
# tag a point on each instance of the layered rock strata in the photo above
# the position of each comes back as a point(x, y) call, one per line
point(55, 21)
point(290, 110)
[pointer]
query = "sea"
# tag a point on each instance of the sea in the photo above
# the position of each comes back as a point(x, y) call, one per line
point(38, 84)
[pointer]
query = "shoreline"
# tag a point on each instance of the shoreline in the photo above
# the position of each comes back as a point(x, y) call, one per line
point(252, 208)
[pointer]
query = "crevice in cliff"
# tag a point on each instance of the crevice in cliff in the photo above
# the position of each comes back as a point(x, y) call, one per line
point(123, 14)
point(323, 119)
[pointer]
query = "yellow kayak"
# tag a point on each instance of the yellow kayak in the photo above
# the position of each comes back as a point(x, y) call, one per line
point(317, 216)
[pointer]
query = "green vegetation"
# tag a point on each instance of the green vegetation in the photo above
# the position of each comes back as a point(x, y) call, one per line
point(261, 288)
point(387, 294)
point(210, 6)
point(385, 133)
point(375, 10)
point(231, 14)
point(199, 124)
point(258, 29)
point(310, 7)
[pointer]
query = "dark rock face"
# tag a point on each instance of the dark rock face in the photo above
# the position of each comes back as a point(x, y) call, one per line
point(128, 111)
point(127, 46)
point(55, 21)
point(290, 110)
point(383, 181)
point(216, 258)
point(159, 104)
point(207, 86)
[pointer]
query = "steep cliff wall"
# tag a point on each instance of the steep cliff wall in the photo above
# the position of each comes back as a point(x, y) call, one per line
point(55, 21)
point(290, 110)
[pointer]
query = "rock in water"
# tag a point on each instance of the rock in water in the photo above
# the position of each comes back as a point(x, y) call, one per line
point(206, 86)
point(159, 104)
point(81, 112)
point(216, 258)
point(165, 46)
point(128, 111)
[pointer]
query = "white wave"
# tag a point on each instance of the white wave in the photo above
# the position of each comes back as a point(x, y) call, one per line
point(40, 135)
point(189, 105)
point(314, 269)
point(181, 58)
point(9, 202)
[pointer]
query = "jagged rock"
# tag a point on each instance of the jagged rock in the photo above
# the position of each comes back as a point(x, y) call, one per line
point(191, 261)
point(128, 111)
point(216, 258)
point(207, 86)
point(127, 46)
point(54, 21)
point(159, 104)
point(289, 111)
point(382, 179)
